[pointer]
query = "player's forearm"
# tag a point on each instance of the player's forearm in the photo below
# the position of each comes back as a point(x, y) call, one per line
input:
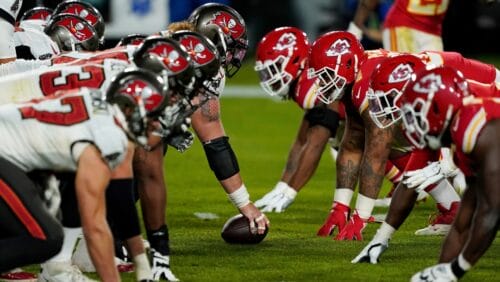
point(100, 245)
point(310, 156)
point(365, 7)
point(348, 162)
point(373, 165)
point(292, 162)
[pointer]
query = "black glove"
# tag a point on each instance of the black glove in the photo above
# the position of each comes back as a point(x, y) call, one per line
point(181, 140)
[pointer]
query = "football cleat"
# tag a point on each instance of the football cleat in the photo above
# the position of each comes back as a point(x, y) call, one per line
point(354, 228)
point(61, 272)
point(437, 273)
point(160, 266)
point(441, 225)
point(372, 252)
point(337, 218)
point(18, 275)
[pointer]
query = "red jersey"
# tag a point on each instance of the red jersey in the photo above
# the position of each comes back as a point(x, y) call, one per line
point(423, 15)
point(471, 69)
point(467, 125)
point(306, 94)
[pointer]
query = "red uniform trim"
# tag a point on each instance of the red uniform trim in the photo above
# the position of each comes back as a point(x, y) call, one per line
point(20, 210)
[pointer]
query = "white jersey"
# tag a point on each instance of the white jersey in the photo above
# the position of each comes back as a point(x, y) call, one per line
point(36, 42)
point(69, 58)
point(9, 9)
point(51, 133)
point(47, 81)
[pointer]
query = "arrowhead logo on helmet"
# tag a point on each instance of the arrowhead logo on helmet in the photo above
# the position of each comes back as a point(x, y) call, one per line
point(228, 24)
point(287, 41)
point(429, 83)
point(401, 73)
point(339, 47)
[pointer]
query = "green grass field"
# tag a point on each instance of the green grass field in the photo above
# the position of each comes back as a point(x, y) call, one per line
point(261, 132)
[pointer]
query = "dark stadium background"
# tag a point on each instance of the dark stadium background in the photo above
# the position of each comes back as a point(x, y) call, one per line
point(471, 27)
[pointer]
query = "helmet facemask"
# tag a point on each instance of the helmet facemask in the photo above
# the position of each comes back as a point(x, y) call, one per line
point(382, 107)
point(275, 80)
point(330, 83)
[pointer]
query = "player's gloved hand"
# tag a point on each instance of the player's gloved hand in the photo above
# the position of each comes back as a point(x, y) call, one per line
point(181, 141)
point(459, 182)
point(371, 253)
point(281, 201)
point(435, 273)
point(433, 173)
point(278, 189)
point(337, 218)
point(354, 228)
point(160, 266)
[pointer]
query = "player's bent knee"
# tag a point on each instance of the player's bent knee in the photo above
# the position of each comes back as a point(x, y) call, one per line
point(221, 157)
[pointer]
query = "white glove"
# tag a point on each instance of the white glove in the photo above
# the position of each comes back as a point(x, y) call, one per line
point(354, 29)
point(459, 182)
point(372, 252)
point(281, 201)
point(439, 272)
point(431, 174)
point(278, 189)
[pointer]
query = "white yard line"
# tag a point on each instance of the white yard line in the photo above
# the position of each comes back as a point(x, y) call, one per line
point(246, 91)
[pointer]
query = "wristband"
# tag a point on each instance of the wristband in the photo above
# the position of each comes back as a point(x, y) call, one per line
point(240, 197)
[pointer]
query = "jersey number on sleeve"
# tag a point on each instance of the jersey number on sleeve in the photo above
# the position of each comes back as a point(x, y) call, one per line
point(71, 111)
point(71, 78)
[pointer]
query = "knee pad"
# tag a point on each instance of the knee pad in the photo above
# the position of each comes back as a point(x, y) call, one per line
point(324, 117)
point(221, 158)
point(121, 211)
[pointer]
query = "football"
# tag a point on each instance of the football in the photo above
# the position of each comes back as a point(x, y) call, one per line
point(236, 230)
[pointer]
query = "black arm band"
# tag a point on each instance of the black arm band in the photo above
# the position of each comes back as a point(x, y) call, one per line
point(221, 157)
point(324, 117)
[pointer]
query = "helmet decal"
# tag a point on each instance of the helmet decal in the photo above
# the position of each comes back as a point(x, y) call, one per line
point(79, 30)
point(287, 41)
point(170, 57)
point(80, 10)
point(228, 24)
point(139, 89)
point(339, 47)
point(401, 73)
point(428, 83)
point(196, 49)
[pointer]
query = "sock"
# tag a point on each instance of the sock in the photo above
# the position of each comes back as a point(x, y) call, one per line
point(459, 266)
point(444, 194)
point(343, 196)
point(71, 235)
point(364, 206)
point(142, 268)
point(159, 240)
point(384, 233)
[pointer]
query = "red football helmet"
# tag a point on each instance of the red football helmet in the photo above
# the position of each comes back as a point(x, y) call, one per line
point(428, 104)
point(281, 57)
point(335, 58)
point(141, 95)
point(71, 32)
point(161, 54)
point(84, 10)
point(203, 54)
point(37, 13)
point(225, 27)
point(386, 85)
